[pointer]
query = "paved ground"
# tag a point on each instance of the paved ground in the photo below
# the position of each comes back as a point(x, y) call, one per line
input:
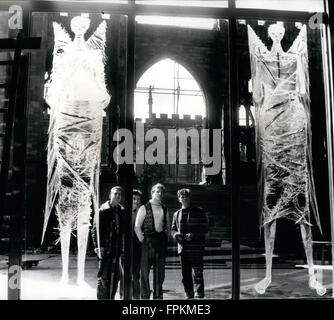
point(41, 282)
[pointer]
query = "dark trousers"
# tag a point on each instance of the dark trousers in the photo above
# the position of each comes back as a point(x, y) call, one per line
point(190, 262)
point(153, 253)
point(108, 278)
point(136, 269)
point(136, 254)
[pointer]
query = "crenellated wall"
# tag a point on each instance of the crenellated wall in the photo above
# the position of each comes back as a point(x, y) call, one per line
point(171, 120)
point(170, 173)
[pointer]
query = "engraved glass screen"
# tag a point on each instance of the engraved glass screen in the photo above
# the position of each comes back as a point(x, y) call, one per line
point(282, 88)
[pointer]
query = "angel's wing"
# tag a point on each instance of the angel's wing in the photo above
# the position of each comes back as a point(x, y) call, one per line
point(61, 41)
point(256, 46)
point(299, 46)
point(300, 51)
point(257, 50)
point(97, 42)
point(98, 39)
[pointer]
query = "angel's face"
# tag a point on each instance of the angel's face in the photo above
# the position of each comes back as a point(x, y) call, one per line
point(79, 25)
point(276, 33)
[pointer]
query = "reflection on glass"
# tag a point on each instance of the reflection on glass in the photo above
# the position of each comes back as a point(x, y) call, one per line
point(291, 5)
point(242, 115)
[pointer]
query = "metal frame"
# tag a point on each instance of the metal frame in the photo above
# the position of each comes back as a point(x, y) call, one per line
point(128, 168)
point(328, 58)
point(163, 10)
point(131, 9)
point(17, 218)
point(234, 153)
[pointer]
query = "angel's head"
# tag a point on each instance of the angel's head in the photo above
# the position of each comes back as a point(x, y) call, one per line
point(80, 25)
point(276, 32)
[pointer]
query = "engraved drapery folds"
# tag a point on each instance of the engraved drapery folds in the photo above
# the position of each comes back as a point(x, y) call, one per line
point(280, 84)
point(77, 96)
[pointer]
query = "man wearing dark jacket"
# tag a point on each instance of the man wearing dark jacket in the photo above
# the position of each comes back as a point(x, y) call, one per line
point(189, 226)
point(137, 197)
point(107, 231)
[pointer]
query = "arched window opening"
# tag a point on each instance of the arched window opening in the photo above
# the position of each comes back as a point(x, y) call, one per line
point(167, 87)
point(167, 97)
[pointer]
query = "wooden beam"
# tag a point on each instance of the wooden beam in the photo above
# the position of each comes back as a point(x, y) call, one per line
point(27, 44)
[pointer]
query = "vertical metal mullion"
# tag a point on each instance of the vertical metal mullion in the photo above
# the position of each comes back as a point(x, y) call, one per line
point(331, 71)
point(18, 197)
point(129, 172)
point(328, 62)
point(17, 223)
point(14, 255)
point(234, 152)
point(27, 32)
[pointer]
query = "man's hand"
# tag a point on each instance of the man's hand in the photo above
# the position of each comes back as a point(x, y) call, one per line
point(96, 250)
point(188, 236)
point(179, 237)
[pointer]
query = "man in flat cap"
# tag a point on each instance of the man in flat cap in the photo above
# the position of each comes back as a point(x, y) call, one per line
point(189, 227)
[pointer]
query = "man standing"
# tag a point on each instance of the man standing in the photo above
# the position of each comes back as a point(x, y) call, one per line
point(151, 228)
point(136, 203)
point(108, 227)
point(189, 226)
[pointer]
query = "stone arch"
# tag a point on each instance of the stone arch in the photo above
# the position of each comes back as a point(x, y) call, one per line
point(190, 67)
point(174, 173)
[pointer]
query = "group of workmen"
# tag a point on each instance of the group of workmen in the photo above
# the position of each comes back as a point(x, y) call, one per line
point(150, 242)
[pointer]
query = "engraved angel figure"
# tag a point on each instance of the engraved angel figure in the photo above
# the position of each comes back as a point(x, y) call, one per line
point(280, 83)
point(77, 96)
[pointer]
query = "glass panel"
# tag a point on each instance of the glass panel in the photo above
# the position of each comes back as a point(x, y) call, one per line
point(4, 15)
point(74, 83)
point(5, 73)
point(184, 22)
point(181, 84)
point(195, 3)
point(109, 1)
point(294, 5)
point(287, 202)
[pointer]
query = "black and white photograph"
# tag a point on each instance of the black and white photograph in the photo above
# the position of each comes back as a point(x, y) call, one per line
point(180, 151)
